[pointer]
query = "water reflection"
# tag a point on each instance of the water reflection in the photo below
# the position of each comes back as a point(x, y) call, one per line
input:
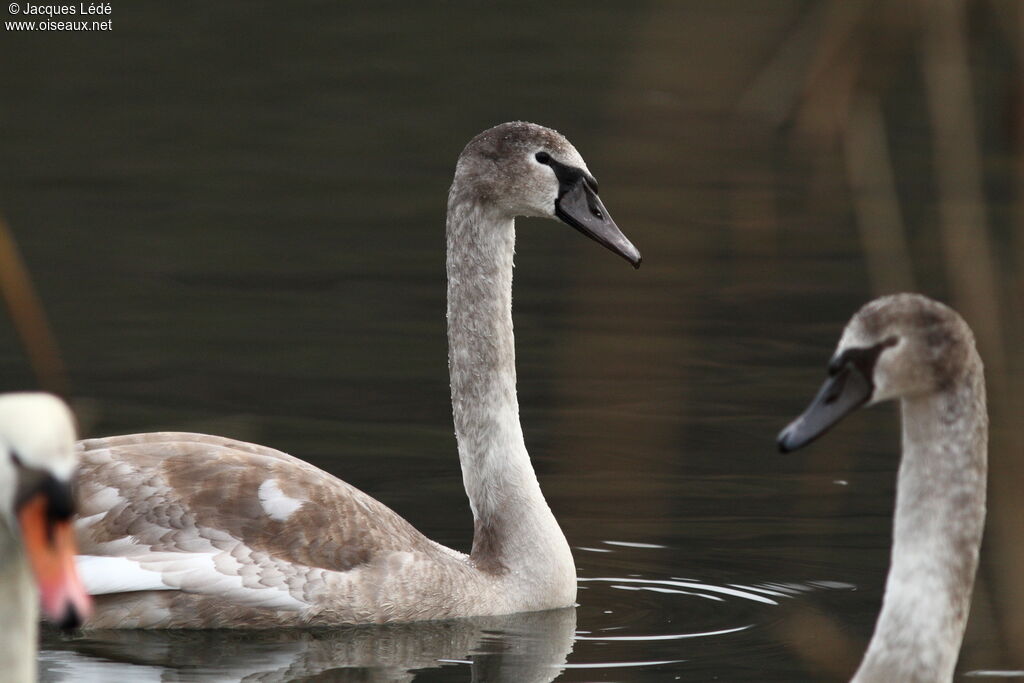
point(520, 648)
point(643, 625)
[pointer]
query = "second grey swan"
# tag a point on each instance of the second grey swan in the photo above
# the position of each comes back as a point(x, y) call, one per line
point(921, 352)
point(197, 531)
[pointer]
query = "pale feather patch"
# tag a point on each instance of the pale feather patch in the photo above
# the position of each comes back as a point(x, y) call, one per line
point(103, 499)
point(102, 575)
point(276, 504)
point(202, 573)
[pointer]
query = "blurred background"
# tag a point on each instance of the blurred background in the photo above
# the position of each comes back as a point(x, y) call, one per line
point(233, 216)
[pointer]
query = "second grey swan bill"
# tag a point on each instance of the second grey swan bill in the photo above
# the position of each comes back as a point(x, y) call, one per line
point(196, 531)
point(913, 349)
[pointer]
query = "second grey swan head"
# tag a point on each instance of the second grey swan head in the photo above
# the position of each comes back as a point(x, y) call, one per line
point(197, 531)
point(915, 350)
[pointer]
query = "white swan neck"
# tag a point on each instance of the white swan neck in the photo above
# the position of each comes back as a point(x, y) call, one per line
point(19, 611)
point(937, 529)
point(514, 528)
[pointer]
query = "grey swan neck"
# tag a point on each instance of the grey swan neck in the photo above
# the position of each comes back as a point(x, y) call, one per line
point(937, 530)
point(19, 611)
point(514, 529)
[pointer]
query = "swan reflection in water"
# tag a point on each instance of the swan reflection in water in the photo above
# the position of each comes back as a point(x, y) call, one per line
point(528, 647)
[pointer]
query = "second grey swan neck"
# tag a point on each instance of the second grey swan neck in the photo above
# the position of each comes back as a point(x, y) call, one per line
point(196, 531)
point(916, 350)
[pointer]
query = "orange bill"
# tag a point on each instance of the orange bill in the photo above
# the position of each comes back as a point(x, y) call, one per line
point(50, 545)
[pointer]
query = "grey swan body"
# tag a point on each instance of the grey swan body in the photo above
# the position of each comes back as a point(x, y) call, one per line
point(921, 352)
point(197, 531)
point(36, 465)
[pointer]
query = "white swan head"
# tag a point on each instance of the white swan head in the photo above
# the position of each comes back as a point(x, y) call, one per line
point(896, 346)
point(522, 169)
point(37, 430)
point(37, 462)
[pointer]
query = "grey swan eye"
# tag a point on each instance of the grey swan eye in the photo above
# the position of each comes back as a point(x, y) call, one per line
point(543, 157)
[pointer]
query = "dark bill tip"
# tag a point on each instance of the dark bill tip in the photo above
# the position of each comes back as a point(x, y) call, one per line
point(70, 620)
point(839, 396)
point(580, 207)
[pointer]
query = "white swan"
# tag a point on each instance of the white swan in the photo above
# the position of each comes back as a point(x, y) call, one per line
point(37, 460)
point(196, 531)
point(919, 351)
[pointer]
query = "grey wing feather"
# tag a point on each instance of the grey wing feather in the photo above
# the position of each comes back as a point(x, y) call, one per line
point(217, 517)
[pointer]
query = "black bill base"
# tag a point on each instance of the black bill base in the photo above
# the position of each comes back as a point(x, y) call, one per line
point(581, 208)
point(841, 394)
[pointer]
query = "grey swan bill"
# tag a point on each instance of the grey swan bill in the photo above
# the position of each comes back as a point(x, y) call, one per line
point(194, 531)
point(37, 553)
point(921, 352)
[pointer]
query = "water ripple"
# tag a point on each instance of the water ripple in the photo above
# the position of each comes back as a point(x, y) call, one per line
point(674, 636)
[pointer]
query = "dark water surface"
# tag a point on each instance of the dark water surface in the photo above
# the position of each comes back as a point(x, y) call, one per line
point(234, 215)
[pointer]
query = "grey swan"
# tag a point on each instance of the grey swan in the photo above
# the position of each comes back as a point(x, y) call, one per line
point(914, 349)
point(37, 565)
point(194, 531)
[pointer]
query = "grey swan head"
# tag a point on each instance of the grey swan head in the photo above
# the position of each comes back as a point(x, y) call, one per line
point(910, 348)
point(37, 462)
point(522, 169)
point(198, 531)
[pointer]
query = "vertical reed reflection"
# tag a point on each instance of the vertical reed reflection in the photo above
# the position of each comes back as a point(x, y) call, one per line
point(28, 316)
